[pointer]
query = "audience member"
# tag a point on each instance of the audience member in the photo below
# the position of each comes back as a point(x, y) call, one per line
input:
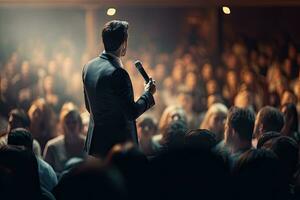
point(43, 121)
point(200, 139)
point(267, 119)
point(19, 177)
point(22, 137)
point(290, 127)
point(147, 128)
point(91, 180)
point(238, 132)
point(214, 120)
point(64, 147)
point(260, 170)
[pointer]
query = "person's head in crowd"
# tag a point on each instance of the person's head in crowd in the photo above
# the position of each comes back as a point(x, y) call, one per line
point(191, 81)
point(40, 113)
point(230, 61)
point(91, 180)
point(244, 99)
point(43, 121)
point(146, 128)
point(170, 114)
point(19, 177)
point(287, 67)
point(177, 74)
point(262, 60)
point(261, 169)
point(285, 148)
point(232, 79)
point(248, 77)
point(268, 119)
point(297, 90)
point(71, 123)
point(239, 128)
point(20, 137)
point(274, 99)
point(173, 137)
point(52, 68)
point(67, 64)
point(292, 51)
point(200, 139)
point(18, 118)
point(288, 96)
point(10, 69)
point(25, 69)
point(207, 72)
point(265, 141)
point(214, 120)
point(48, 85)
point(187, 59)
point(160, 72)
point(186, 101)
point(220, 72)
point(212, 99)
point(115, 36)
point(133, 164)
point(189, 173)
point(66, 107)
point(290, 114)
point(212, 87)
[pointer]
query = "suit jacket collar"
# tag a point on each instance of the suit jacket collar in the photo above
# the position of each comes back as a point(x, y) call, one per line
point(113, 59)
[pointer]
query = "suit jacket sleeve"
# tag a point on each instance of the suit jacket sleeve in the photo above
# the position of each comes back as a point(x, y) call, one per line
point(123, 90)
point(87, 105)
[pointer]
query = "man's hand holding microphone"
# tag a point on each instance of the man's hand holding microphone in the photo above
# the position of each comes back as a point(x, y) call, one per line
point(150, 83)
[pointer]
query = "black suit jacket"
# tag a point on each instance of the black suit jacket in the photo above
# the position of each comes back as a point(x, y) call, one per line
point(110, 101)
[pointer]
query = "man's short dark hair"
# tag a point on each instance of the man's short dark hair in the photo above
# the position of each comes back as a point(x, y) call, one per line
point(20, 137)
point(114, 33)
point(20, 117)
point(271, 118)
point(174, 135)
point(200, 139)
point(242, 121)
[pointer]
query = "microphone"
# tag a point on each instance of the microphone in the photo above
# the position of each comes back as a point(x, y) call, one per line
point(142, 71)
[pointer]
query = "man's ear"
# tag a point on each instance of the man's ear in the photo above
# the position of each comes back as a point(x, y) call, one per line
point(123, 48)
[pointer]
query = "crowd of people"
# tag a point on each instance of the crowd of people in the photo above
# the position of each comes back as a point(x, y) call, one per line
point(220, 129)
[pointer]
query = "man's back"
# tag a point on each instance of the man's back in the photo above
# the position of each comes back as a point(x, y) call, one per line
point(110, 101)
point(109, 95)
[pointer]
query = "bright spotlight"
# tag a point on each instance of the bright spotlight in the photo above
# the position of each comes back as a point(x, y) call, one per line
point(111, 11)
point(226, 10)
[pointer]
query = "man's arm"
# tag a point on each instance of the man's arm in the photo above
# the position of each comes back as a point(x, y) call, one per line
point(122, 88)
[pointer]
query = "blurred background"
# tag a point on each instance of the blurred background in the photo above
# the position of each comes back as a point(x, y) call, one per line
point(244, 53)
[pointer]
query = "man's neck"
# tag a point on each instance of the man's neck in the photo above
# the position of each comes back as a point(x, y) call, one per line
point(114, 54)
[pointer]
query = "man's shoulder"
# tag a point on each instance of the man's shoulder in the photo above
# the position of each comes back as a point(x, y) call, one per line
point(100, 65)
point(93, 62)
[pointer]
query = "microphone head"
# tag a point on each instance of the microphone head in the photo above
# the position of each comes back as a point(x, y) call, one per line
point(140, 68)
point(138, 64)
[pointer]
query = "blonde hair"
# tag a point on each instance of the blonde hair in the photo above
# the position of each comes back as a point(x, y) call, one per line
point(168, 116)
point(65, 109)
point(213, 109)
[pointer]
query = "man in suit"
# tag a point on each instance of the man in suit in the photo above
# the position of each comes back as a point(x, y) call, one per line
point(109, 94)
